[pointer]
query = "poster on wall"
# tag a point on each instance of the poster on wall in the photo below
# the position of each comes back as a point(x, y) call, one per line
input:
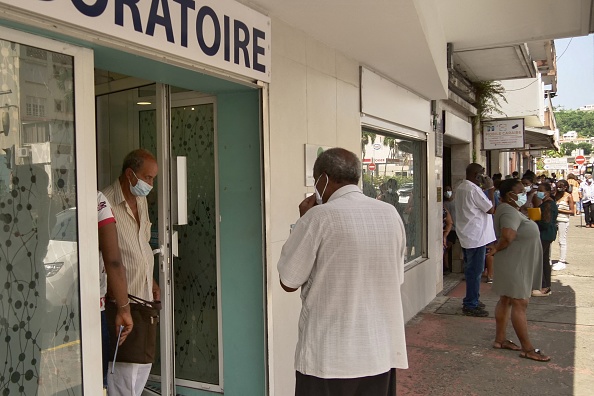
point(312, 151)
point(503, 134)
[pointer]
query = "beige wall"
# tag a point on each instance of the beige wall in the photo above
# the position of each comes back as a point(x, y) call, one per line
point(314, 98)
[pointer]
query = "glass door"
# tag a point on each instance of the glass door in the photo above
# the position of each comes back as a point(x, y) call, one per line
point(196, 300)
point(183, 136)
point(46, 198)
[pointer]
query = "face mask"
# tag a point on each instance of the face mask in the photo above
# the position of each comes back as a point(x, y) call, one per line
point(540, 194)
point(390, 190)
point(527, 189)
point(521, 199)
point(589, 181)
point(319, 196)
point(141, 189)
point(448, 194)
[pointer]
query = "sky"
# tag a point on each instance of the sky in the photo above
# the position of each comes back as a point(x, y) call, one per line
point(575, 67)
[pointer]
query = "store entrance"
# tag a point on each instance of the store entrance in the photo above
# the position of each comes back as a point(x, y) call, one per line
point(178, 126)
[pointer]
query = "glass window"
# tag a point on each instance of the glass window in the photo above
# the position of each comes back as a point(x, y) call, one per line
point(39, 305)
point(394, 172)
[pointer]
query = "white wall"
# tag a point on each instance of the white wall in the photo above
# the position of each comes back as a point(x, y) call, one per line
point(314, 98)
point(525, 98)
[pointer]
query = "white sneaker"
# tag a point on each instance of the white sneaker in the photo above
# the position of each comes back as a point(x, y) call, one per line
point(558, 266)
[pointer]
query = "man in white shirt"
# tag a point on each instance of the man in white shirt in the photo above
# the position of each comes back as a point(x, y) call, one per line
point(474, 227)
point(587, 196)
point(346, 253)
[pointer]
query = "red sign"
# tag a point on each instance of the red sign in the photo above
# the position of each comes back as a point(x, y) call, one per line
point(580, 159)
point(371, 167)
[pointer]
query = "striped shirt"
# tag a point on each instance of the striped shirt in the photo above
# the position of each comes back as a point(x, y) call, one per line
point(137, 255)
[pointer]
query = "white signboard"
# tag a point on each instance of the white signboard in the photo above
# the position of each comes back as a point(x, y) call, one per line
point(220, 33)
point(503, 134)
point(555, 164)
point(312, 152)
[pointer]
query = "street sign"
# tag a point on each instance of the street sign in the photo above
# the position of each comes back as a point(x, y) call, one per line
point(580, 159)
point(371, 167)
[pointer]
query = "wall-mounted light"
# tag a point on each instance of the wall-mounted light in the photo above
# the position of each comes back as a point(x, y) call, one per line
point(143, 103)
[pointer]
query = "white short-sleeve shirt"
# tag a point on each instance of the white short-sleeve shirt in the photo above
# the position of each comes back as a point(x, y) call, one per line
point(474, 226)
point(347, 256)
point(104, 216)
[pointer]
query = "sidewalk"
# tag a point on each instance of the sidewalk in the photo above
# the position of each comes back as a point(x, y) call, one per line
point(451, 354)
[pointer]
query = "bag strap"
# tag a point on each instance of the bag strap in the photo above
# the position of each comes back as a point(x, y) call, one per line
point(138, 300)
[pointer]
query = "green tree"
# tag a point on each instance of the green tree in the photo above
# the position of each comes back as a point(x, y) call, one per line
point(574, 120)
point(587, 147)
point(567, 148)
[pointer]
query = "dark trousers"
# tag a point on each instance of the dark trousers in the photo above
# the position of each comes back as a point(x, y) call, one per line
point(105, 347)
point(588, 213)
point(377, 385)
point(546, 266)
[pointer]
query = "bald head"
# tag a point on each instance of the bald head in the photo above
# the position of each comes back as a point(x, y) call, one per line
point(341, 166)
point(135, 159)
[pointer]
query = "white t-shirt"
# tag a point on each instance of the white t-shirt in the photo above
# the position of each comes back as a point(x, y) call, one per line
point(104, 216)
point(348, 258)
point(474, 226)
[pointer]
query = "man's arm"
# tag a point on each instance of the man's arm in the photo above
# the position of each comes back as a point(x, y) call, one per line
point(116, 277)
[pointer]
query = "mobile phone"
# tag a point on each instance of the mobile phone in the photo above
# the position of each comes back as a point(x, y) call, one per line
point(115, 354)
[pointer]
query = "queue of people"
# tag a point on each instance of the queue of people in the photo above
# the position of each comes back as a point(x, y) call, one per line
point(506, 227)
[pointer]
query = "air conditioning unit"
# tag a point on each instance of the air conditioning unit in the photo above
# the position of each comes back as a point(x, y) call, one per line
point(22, 152)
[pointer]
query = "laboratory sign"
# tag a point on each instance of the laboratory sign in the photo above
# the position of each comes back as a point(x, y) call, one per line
point(503, 134)
point(219, 33)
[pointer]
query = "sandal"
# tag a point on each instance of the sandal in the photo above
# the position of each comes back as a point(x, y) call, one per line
point(507, 344)
point(535, 354)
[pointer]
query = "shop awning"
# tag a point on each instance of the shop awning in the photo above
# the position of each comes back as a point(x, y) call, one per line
point(541, 139)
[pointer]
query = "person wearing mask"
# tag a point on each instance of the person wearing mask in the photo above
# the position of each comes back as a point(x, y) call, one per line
point(586, 193)
point(451, 238)
point(351, 327)
point(127, 196)
point(515, 175)
point(574, 186)
point(566, 208)
point(532, 200)
point(474, 227)
point(547, 225)
point(518, 258)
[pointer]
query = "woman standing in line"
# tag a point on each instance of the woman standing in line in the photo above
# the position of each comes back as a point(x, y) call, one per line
point(548, 231)
point(575, 188)
point(518, 260)
point(566, 208)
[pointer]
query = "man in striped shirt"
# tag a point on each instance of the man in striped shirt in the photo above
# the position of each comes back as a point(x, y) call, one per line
point(127, 197)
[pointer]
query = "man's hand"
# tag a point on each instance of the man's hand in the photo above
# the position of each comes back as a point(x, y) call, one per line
point(124, 318)
point(156, 291)
point(307, 204)
point(487, 183)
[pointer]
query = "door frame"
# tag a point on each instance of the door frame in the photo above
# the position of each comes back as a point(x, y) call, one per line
point(86, 197)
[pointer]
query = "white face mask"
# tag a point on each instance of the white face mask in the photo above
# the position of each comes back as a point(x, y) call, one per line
point(527, 189)
point(141, 189)
point(319, 196)
point(448, 194)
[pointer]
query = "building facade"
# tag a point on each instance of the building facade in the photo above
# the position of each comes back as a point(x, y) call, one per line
point(235, 100)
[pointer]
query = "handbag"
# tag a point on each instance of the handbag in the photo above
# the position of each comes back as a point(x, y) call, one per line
point(140, 345)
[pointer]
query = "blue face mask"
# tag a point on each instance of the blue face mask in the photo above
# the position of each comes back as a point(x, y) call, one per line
point(522, 198)
point(540, 194)
point(141, 189)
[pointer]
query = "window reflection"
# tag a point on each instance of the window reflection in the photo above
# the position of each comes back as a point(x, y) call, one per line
point(393, 171)
point(39, 309)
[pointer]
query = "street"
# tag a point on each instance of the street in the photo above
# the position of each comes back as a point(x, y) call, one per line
point(452, 354)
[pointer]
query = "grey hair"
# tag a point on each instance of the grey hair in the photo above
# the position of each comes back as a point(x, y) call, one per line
point(342, 166)
point(135, 159)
